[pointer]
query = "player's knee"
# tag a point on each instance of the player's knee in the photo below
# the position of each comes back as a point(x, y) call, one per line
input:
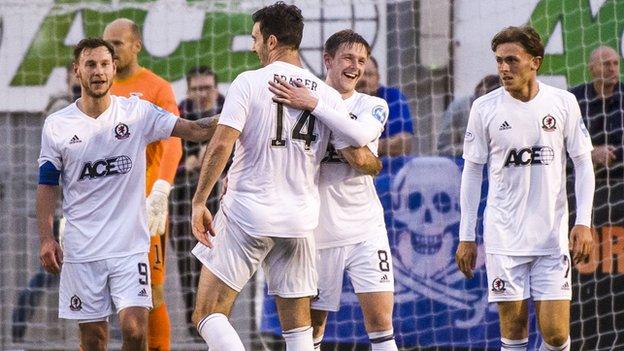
point(378, 322)
point(134, 331)
point(158, 295)
point(555, 336)
point(94, 340)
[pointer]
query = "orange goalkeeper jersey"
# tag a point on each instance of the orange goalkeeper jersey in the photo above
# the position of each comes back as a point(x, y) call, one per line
point(148, 86)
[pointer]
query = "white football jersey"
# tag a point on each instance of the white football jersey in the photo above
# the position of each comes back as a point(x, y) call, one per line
point(273, 180)
point(102, 164)
point(350, 208)
point(524, 145)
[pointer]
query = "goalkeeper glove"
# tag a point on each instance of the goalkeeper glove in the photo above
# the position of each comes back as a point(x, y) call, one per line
point(157, 203)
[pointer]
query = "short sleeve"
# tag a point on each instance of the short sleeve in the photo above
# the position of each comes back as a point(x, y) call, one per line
point(236, 107)
point(49, 148)
point(576, 135)
point(476, 143)
point(158, 123)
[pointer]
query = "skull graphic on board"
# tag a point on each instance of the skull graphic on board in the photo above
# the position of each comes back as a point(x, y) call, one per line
point(425, 203)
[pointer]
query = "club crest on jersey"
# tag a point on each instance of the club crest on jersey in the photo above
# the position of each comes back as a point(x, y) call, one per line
point(75, 304)
point(122, 131)
point(379, 112)
point(498, 286)
point(549, 123)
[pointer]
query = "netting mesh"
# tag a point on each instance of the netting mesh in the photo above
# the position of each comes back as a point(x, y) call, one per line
point(435, 52)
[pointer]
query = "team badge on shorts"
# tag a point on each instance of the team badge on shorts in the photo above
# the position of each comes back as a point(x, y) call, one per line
point(549, 123)
point(75, 304)
point(498, 286)
point(122, 131)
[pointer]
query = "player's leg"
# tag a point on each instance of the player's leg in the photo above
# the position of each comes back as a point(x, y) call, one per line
point(159, 324)
point(551, 289)
point(369, 266)
point(133, 322)
point(226, 269)
point(330, 266)
point(514, 319)
point(84, 296)
point(508, 278)
point(319, 320)
point(93, 335)
point(291, 275)
point(129, 285)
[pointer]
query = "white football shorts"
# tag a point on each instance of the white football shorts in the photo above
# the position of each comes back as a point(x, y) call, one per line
point(368, 265)
point(94, 290)
point(288, 263)
point(517, 278)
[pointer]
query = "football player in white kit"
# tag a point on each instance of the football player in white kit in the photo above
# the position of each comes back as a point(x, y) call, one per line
point(271, 206)
point(351, 236)
point(522, 132)
point(96, 146)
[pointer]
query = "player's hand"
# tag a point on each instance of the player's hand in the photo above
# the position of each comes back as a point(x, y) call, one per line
point(603, 155)
point(466, 257)
point(295, 96)
point(201, 223)
point(157, 207)
point(581, 243)
point(51, 255)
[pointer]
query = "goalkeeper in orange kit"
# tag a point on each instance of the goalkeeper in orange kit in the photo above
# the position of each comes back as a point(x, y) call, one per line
point(162, 162)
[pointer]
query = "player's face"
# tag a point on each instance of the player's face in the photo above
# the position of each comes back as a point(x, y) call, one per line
point(605, 67)
point(516, 67)
point(346, 67)
point(126, 45)
point(202, 90)
point(369, 82)
point(95, 70)
point(259, 46)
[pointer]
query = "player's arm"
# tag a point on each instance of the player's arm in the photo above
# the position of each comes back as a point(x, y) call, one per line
point(50, 253)
point(362, 159)
point(581, 240)
point(198, 131)
point(299, 97)
point(216, 157)
point(469, 196)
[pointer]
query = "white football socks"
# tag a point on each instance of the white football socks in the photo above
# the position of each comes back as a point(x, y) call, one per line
point(383, 341)
point(299, 339)
point(317, 342)
point(514, 345)
point(546, 347)
point(219, 333)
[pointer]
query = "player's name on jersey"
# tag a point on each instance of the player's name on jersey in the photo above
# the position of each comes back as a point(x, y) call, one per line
point(310, 84)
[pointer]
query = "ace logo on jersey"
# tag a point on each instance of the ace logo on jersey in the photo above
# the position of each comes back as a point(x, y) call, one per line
point(528, 156)
point(106, 167)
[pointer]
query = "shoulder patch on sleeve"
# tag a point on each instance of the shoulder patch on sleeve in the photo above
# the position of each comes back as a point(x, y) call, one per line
point(469, 136)
point(380, 114)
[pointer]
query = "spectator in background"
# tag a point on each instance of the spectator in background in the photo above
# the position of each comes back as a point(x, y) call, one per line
point(62, 100)
point(602, 107)
point(202, 100)
point(455, 118)
point(396, 139)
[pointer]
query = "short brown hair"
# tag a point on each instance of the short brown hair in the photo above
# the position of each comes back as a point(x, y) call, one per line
point(283, 21)
point(347, 37)
point(92, 43)
point(526, 36)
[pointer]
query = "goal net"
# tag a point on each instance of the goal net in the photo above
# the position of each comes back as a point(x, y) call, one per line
point(436, 52)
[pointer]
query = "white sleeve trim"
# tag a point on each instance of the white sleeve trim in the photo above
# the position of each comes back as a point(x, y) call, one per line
point(469, 198)
point(584, 186)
